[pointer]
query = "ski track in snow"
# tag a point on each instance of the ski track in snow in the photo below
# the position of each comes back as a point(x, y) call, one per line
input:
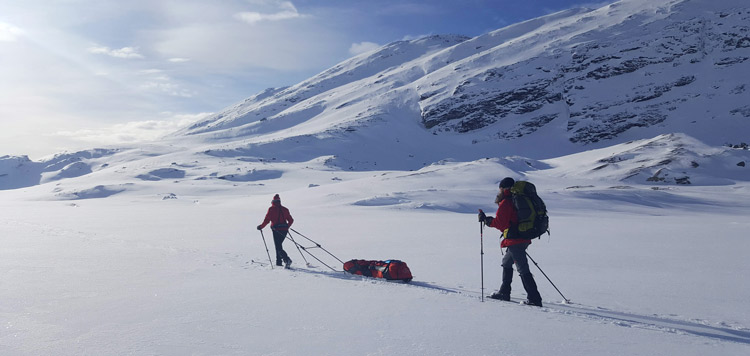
point(626, 319)
point(661, 323)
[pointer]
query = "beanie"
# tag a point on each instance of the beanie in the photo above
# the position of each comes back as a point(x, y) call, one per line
point(276, 198)
point(507, 182)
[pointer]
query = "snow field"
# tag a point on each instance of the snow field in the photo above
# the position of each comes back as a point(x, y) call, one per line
point(134, 274)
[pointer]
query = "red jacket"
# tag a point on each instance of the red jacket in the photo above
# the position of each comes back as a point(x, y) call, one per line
point(278, 214)
point(505, 218)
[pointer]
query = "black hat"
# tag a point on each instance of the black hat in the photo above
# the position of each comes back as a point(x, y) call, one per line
point(507, 182)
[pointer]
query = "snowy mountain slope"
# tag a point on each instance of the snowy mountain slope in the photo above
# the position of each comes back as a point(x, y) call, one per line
point(575, 80)
point(618, 69)
point(274, 102)
point(545, 88)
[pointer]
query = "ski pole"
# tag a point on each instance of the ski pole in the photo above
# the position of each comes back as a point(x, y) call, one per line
point(481, 253)
point(316, 245)
point(313, 256)
point(264, 244)
point(567, 301)
point(289, 236)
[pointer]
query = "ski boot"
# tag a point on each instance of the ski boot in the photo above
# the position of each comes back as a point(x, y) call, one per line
point(500, 296)
point(528, 302)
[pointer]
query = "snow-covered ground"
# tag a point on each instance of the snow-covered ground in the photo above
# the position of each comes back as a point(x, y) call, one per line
point(649, 272)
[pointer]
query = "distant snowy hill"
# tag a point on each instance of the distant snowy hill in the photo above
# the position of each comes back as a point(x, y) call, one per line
point(623, 78)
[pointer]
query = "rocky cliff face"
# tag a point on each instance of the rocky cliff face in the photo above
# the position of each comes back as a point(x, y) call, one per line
point(604, 77)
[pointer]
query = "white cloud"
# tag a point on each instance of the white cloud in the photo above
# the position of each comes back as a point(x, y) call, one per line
point(59, 73)
point(9, 33)
point(415, 37)
point(286, 11)
point(363, 47)
point(156, 80)
point(165, 86)
point(229, 47)
point(134, 131)
point(125, 52)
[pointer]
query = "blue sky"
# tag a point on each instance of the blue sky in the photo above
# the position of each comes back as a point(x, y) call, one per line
point(78, 74)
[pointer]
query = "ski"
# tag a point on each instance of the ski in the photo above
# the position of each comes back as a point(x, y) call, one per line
point(266, 264)
point(516, 301)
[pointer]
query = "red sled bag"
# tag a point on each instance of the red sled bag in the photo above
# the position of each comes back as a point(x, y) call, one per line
point(390, 269)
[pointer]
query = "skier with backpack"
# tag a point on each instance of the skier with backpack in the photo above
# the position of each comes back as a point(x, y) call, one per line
point(521, 216)
point(281, 220)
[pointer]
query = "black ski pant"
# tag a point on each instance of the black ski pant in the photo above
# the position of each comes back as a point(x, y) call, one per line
point(278, 240)
point(517, 254)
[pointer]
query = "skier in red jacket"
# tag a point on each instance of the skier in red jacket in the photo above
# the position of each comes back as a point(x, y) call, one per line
point(281, 220)
point(506, 220)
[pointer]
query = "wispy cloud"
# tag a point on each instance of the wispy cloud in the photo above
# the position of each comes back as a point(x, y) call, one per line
point(286, 10)
point(227, 48)
point(363, 47)
point(415, 37)
point(166, 86)
point(9, 33)
point(125, 52)
point(127, 61)
point(407, 8)
point(134, 131)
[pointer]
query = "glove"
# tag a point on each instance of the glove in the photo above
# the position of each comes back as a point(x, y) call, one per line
point(488, 220)
point(482, 217)
point(260, 227)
